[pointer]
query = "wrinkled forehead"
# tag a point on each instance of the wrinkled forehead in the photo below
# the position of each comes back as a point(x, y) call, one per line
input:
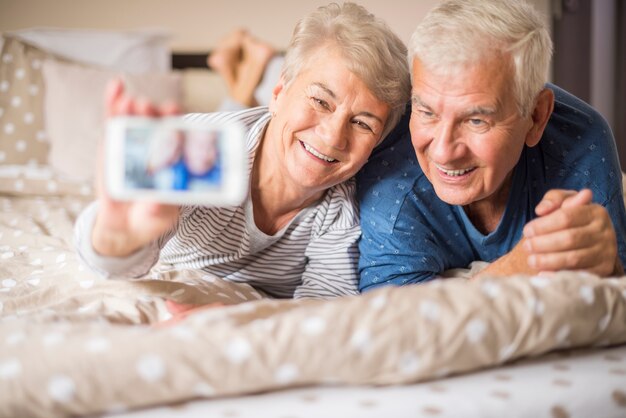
point(490, 65)
point(485, 87)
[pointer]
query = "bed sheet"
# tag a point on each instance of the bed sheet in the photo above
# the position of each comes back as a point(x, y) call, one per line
point(573, 383)
point(73, 344)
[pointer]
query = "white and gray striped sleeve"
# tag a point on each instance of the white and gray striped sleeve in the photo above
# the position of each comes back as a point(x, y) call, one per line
point(135, 265)
point(333, 254)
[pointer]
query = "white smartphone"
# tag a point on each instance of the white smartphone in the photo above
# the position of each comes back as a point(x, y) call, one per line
point(175, 161)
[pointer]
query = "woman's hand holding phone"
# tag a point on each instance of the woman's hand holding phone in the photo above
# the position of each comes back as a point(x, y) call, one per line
point(122, 228)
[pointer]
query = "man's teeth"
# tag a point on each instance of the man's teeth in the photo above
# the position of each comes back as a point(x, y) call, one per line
point(317, 154)
point(455, 173)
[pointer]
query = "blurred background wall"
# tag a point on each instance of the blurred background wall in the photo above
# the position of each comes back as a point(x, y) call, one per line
point(197, 24)
point(590, 35)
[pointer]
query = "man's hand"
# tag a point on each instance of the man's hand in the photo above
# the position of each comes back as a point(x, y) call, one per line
point(571, 233)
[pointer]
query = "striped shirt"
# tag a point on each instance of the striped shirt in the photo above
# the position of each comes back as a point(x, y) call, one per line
point(315, 255)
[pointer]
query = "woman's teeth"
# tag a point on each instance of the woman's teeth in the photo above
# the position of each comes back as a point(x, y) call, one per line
point(316, 153)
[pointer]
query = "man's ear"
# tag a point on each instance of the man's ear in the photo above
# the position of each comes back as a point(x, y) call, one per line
point(540, 116)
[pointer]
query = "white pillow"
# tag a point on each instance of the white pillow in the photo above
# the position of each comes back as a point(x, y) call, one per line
point(74, 111)
point(133, 51)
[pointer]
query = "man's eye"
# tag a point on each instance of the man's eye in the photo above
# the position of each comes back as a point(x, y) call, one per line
point(425, 114)
point(476, 122)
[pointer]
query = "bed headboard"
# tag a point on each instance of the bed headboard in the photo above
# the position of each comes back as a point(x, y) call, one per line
point(186, 60)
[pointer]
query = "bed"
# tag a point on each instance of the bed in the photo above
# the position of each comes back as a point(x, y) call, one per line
point(73, 344)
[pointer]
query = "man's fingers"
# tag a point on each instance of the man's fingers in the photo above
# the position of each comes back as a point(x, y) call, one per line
point(593, 260)
point(583, 197)
point(552, 200)
point(580, 237)
point(561, 240)
point(558, 198)
point(563, 218)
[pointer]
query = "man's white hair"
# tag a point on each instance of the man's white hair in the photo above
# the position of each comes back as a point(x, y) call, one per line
point(458, 33)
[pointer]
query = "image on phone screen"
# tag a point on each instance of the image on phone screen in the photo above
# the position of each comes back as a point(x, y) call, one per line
point(172, 159)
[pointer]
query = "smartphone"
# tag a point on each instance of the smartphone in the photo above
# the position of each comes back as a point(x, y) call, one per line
point(175, 161)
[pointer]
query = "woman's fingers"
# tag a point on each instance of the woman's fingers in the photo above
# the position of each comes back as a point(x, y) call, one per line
point(181, 311)
point(114, 90)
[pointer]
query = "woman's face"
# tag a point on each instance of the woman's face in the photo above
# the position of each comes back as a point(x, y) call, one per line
point(326, 122)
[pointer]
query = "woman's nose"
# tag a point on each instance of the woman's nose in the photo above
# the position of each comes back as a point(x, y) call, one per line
point(332, 129)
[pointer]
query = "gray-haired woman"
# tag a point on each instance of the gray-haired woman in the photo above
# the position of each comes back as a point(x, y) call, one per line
point(344, 85)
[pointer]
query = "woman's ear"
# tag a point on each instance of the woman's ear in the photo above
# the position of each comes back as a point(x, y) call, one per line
point(276, 92)
point(540, 116)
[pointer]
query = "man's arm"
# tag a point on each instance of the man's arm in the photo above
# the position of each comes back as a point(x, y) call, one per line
point(514, 262)
point(410, 240)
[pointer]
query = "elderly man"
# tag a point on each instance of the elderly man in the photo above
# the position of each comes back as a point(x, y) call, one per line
point(508, 170)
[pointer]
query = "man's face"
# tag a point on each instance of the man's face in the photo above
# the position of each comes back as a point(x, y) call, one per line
point(467, 132)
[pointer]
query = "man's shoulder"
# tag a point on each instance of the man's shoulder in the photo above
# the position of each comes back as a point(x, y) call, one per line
point(391, 176)
point(574, 124)
point(577, 148)
point(393, 165)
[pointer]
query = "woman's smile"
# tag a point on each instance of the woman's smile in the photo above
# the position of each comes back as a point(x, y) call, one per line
point(318, 155)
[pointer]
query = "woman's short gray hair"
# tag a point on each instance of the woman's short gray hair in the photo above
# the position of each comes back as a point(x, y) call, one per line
point(373, 52)
point(458, 32)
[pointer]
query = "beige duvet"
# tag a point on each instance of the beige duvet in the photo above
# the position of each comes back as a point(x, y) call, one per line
point(72, 344)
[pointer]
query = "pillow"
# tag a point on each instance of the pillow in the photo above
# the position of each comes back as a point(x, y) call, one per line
point(136, 51)
point(25, 180)
point(22, 136)
point(74, 110)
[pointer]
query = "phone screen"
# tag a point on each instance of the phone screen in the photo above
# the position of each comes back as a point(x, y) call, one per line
point(172, 159)
point(176, 161)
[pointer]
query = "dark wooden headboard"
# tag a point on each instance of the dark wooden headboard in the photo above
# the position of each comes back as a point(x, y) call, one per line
point(181, 61)
point(184, 60)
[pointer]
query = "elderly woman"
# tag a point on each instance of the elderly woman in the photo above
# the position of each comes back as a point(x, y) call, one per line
point(344, 85)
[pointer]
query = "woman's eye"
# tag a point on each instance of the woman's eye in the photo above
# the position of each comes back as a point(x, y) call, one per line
point(320, 103)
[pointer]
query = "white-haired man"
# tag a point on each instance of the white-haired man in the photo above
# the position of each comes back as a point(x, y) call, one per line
point(503, 168)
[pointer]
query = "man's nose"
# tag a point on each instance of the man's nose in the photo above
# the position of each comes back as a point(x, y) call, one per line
point(445, 144)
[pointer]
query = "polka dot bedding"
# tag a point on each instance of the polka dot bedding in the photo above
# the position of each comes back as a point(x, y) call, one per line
point(41, 181)
point(72, 344)
point(23, 138)
point(583, 383)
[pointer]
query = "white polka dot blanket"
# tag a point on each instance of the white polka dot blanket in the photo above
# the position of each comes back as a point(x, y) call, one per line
point(72, 344)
